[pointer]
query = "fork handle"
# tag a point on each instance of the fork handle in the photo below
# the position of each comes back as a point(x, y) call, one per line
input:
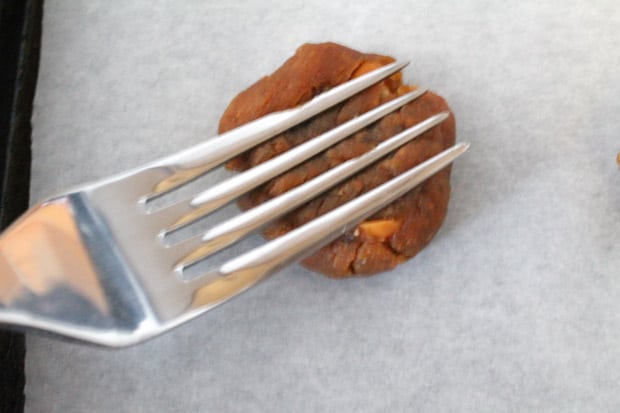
point(43, 251)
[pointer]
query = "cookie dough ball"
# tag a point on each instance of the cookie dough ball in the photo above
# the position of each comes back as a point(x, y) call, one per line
point(394, 234)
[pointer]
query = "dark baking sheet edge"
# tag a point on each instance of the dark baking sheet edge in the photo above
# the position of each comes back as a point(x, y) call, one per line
point(20, 39)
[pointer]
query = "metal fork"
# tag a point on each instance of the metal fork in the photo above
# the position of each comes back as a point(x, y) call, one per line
point(93, 263)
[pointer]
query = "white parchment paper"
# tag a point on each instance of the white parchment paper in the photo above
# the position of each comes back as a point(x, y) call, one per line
point(515, 306)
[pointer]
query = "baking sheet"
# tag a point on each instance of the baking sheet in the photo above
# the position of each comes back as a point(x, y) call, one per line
point(515, 306)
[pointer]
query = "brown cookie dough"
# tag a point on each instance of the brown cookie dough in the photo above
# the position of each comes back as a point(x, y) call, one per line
point(396, 233)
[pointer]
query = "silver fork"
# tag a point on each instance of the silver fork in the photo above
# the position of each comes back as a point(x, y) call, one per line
point(93, 263)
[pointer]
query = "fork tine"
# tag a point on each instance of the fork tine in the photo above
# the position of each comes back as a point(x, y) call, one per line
point(244, 271)
point(226, 191)
point(230, 231)
point(191, 163)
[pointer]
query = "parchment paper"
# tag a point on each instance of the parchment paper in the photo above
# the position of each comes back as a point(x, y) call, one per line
point(515, 306)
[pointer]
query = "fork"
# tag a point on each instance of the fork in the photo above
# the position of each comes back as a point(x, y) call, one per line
point(93, 263)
